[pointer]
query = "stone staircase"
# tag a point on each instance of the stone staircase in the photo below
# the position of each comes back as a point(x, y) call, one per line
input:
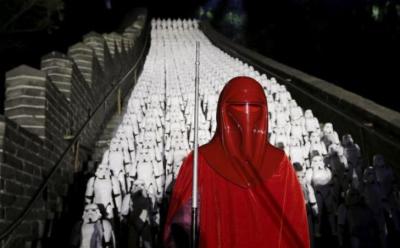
point(108, 132)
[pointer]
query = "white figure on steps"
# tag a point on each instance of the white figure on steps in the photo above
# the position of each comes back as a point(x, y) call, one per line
point(103, 188)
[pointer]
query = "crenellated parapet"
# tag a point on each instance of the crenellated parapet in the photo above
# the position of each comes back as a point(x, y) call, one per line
point(44, 109)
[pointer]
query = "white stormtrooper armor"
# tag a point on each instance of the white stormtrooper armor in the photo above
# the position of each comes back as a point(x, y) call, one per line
point(322, 175)
point(297, 129)
point(308, 190)
point(322, 183)
point(280, 139)
point(145, 170)
point(316, 146)
point(311, 123)
point(116, 164)
point(95, 232)
point(103, 188)
point(297, 153)
point(329, 136)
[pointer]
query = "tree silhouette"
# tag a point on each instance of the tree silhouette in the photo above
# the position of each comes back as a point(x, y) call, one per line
point(30, 15)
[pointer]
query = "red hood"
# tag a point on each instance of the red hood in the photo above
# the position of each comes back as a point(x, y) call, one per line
point(239, 150)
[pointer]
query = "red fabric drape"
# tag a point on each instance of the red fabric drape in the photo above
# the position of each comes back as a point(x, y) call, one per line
point(271, 214)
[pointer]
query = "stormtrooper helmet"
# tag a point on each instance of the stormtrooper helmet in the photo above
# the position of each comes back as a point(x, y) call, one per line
point(120, 134)
point(139, 185)
point(335, 149)
point(315, 137)
point(114, 145)
point(308, 113)
point(103, 171)
point(328, 128)
point(347, 140)
point(378, 160)
point(317, 162)
point(91, 213)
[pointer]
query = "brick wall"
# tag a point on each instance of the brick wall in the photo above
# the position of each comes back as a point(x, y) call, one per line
point(43, 107)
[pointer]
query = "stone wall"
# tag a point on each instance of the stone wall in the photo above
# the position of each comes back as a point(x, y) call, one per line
point(45, 107)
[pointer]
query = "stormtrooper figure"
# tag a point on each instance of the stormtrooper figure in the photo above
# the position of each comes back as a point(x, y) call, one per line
point(145, 169)
point(351, 150)
point(321, 180)
point(283, 96)
point(384, 175)
point(95, 232)
point(356, 222)
point(92, 231)
point(338, 164)
point(280, 139)
point(139, 210)
point(308, 190)
point(309, 197)
point(174, 160)
point(311, 123)
point(130, 137)
point(296, 152)
point(282, 119)
point(329, 136)
point(316, 146)
point(297, 129)
point(353, 155)
point(374, 200)
point(103, 188)
point(116, 163)
point(321, 174)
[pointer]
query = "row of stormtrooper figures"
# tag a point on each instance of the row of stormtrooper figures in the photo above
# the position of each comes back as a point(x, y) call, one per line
point(117, 215)
point(349, 203)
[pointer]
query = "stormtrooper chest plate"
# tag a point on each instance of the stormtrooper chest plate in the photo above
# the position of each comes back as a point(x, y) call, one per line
point(103, 191)
point(296, 154)
point(321, 177)
point(297, 131)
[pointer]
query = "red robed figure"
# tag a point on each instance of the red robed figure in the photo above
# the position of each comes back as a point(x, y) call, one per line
point(249, 195)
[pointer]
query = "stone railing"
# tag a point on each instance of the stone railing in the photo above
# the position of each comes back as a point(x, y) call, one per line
point(375, 128)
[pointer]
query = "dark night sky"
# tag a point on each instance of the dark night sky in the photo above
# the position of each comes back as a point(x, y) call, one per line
point(336, 40)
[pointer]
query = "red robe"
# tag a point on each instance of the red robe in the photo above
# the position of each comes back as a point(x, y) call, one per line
point(271, 214)
point(248, 190)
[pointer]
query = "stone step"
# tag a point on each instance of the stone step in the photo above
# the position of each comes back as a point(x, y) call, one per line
point(109, 131)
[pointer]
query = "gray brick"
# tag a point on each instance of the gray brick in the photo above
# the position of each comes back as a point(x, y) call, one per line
point(7, 172)
point(13, 161)
point(24, 178)
point(31, 101)
point(13, 187)
point(22, 111)
point(24, 91)
point(7, 199)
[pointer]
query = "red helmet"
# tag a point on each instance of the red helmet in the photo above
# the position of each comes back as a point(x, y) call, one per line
point(239, 150)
